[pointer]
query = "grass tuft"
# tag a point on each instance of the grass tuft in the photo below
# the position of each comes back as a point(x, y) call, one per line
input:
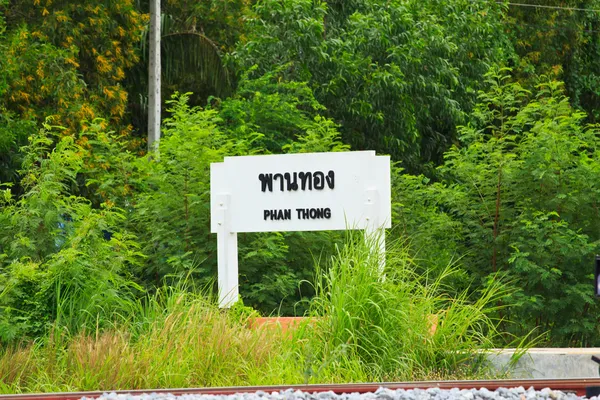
point(400, 325)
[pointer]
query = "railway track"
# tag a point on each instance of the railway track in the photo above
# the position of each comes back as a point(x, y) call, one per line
point(577, 386)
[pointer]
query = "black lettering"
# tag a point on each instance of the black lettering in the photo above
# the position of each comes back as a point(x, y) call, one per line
point(309, 213)
point(319, 180)
point(278, 215)
point(280, 177)
point(306, 178)
point(330, 179)
point(266, 182)
point(289, 181)
point(291, 184)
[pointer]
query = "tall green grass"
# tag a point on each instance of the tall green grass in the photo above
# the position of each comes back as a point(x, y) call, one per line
point(180, 340)
point(399, 324)
point(365, 327)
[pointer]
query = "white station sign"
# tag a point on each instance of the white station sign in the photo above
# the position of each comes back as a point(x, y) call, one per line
point(301, 192)
point(294, 192)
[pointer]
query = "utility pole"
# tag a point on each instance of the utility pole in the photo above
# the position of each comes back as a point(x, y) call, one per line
point(154, 78)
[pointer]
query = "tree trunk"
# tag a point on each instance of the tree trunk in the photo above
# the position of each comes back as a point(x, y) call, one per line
point(154, 78)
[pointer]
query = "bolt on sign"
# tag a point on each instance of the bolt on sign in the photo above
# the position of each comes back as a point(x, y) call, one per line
point(295, 192)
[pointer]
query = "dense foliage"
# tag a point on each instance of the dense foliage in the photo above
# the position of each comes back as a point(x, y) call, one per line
point(487, 109)
point(399, 75)
point(518, 196)
point(561, 39)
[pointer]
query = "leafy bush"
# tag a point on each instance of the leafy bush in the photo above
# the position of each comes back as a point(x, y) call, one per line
point(519, 196)
point(61, 259)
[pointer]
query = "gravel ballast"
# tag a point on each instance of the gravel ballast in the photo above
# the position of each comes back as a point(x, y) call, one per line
point(519, 393)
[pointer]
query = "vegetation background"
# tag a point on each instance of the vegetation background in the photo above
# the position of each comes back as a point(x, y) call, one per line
point(488, 109)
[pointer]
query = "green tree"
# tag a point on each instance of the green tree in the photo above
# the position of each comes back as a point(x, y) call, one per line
point(560, 38)
point(101, 39)
point(519, 197)
point(63, 60)
point(397, 76)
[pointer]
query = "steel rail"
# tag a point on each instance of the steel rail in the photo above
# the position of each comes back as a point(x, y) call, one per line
point(577, 386)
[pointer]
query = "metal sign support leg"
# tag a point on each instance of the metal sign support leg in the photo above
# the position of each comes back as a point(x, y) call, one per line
point(227, 251)
point(374, 231)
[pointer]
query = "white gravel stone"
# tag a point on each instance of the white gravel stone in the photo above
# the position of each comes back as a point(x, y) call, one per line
point(519, 393)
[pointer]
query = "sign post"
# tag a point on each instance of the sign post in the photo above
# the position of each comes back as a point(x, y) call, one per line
point(296, 192)
point(227, 253)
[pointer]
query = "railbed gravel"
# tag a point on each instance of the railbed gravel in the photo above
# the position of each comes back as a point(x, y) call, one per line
point(519, 393)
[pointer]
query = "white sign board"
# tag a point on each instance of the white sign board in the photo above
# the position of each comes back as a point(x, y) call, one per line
point(294, 192)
